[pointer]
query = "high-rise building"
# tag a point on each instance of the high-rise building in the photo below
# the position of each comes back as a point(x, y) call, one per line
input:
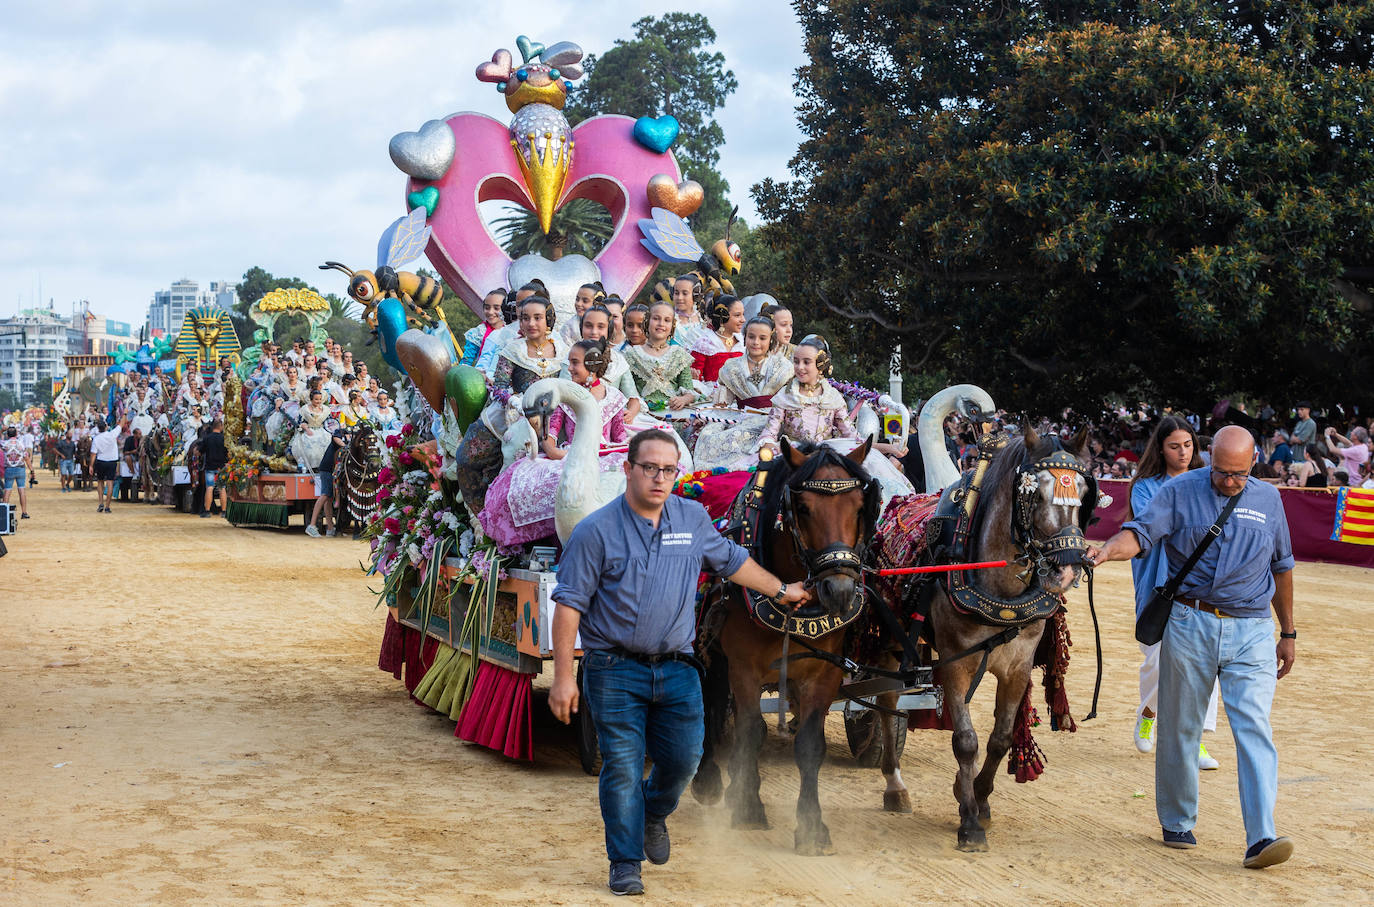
point(32, 345)
point(169, 307)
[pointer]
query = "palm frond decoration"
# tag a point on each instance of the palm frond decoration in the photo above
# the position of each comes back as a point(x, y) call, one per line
point(582, 224)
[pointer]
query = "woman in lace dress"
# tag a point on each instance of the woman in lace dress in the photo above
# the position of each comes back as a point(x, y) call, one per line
point(712, 349)
point(595, 324)
point(809, 409)
point(662, 371)
point(746, 382)
point(520, 503)
point(312, 438)
point(537, 353)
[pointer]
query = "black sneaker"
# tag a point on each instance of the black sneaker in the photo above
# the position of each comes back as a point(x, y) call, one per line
point(625, 879)
point(656, 845)
point(1268, 852)
point(1183, 840)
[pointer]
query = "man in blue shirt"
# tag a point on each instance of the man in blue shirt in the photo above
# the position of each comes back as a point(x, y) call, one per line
point(1220, 626)
point(627, 581)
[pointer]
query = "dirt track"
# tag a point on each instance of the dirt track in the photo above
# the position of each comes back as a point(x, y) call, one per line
point(191, 713)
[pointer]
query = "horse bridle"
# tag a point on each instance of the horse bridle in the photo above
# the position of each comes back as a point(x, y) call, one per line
point(1067, 546)
point(836, 558)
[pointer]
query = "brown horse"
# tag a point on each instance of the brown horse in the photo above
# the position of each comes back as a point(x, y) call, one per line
point(816, 514)
point(1033, 500)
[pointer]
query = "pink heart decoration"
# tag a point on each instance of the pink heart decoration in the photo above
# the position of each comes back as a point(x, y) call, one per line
point(498, 70)
point(609, 167)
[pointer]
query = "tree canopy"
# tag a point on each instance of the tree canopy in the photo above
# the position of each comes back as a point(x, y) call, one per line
point(666, 68)
point(1060, 200)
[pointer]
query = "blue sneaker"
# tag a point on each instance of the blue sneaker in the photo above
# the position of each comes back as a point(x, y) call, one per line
point(625, 879)
point(1183, 840)
point(1268, 852)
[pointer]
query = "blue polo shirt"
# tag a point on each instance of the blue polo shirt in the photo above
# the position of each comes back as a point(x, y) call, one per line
point(1236, 574)
point(634, 584)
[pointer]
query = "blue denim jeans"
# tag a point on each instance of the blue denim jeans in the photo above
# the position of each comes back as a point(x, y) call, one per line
point(640, 710)
point(1197, 648)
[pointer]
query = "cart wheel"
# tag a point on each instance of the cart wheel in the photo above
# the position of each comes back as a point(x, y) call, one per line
point(588, 752)
point(865, 739)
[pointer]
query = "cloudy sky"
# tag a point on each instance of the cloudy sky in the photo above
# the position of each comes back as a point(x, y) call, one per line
point(151, 140)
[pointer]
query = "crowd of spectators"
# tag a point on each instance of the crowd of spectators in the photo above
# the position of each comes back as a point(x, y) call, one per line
point(1294, 448)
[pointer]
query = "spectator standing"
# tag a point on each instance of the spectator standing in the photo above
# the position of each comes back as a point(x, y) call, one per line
point(325, 501)
point(214, 455)
point(128, 467)
point(1172, 451)
point(1354, 451)
point(16, 458)
point(1305, 431)
point(1282, 453)
point(104, 463)
point(1220, 626)
point(66, 459)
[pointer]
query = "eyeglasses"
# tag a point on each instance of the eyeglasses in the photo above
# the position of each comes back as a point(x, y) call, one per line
point(1231, 476)
point(653, 472)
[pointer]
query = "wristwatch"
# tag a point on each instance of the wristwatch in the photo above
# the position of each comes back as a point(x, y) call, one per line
point(782, 592)
point(1293, 635)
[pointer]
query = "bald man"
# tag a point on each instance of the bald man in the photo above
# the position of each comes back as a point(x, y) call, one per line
point(1220, 627)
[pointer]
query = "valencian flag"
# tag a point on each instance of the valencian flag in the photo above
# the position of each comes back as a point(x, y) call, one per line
point(1354, 516)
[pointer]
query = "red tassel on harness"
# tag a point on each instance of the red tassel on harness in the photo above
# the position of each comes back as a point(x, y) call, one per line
point(1026, 760)
point(393, 653)
point(1056, 695)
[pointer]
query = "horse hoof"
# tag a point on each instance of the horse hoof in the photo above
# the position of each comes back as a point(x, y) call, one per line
point(707, 790)
point(896, 801)
point(973, 842)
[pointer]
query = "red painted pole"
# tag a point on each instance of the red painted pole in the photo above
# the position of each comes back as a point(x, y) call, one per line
point(944, 568)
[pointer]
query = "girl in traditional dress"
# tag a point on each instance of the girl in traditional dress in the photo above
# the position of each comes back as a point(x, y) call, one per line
point(781, 316)
point(384, 414)
point(712, 349)
point(636, 322)
point(520, 502)
point(140, 408)
point(535, 354)
point(809, 409)
point(616, 306)
point(596, 325)
point(311, 439)
point(354, 411)
point(662, 371)
point(475, 338)
point(687, 292)
point(588, 295)
point(748, 381)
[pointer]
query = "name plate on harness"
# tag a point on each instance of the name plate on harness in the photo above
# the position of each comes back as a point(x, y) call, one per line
point(774, 616)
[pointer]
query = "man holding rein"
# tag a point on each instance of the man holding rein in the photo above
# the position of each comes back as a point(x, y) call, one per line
point(627, 581)
point(1219, 626)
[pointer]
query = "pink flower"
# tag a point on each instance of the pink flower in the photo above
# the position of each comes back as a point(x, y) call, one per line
point(406, 459)
point(392, 525)
point(386, 476)
point(407, 510)
point(393, 441)
point(408, 429)
point(383, 493)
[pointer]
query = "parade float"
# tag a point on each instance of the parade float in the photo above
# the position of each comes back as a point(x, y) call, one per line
point(266, 483)
point(469, 620)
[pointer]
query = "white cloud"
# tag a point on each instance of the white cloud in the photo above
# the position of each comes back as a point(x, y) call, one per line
point(159, 139)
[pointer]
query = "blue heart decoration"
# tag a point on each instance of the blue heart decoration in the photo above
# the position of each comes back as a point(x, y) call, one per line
point(657, 133)
point(427, 198)
point(391, 324)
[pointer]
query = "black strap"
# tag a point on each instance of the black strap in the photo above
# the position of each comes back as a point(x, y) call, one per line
point(1213, 533)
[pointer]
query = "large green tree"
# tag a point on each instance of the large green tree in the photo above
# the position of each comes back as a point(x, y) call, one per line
point(1065, 199)
point(667, 68)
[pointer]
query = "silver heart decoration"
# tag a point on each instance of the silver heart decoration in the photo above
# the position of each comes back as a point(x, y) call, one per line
point(562, 277)
point(425, 154)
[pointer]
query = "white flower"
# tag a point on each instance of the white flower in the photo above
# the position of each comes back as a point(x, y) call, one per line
point(413, 552)
point(465, 542)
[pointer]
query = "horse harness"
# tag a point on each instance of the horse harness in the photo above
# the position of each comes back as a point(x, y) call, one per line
point(837, 558)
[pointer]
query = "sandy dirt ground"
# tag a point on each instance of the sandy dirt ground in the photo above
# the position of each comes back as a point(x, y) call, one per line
point(191, 713)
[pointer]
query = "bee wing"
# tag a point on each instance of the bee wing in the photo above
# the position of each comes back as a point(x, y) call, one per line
point(404, 240)
point(669, 238)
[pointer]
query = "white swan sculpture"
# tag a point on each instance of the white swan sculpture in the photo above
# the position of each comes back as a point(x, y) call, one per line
point(969, 401)
point(583, 488)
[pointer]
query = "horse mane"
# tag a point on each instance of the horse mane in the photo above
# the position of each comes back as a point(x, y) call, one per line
point(1002, 470)
point(780, 473)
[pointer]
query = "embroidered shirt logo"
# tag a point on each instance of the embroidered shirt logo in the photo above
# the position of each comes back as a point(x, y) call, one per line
point(677, 538)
